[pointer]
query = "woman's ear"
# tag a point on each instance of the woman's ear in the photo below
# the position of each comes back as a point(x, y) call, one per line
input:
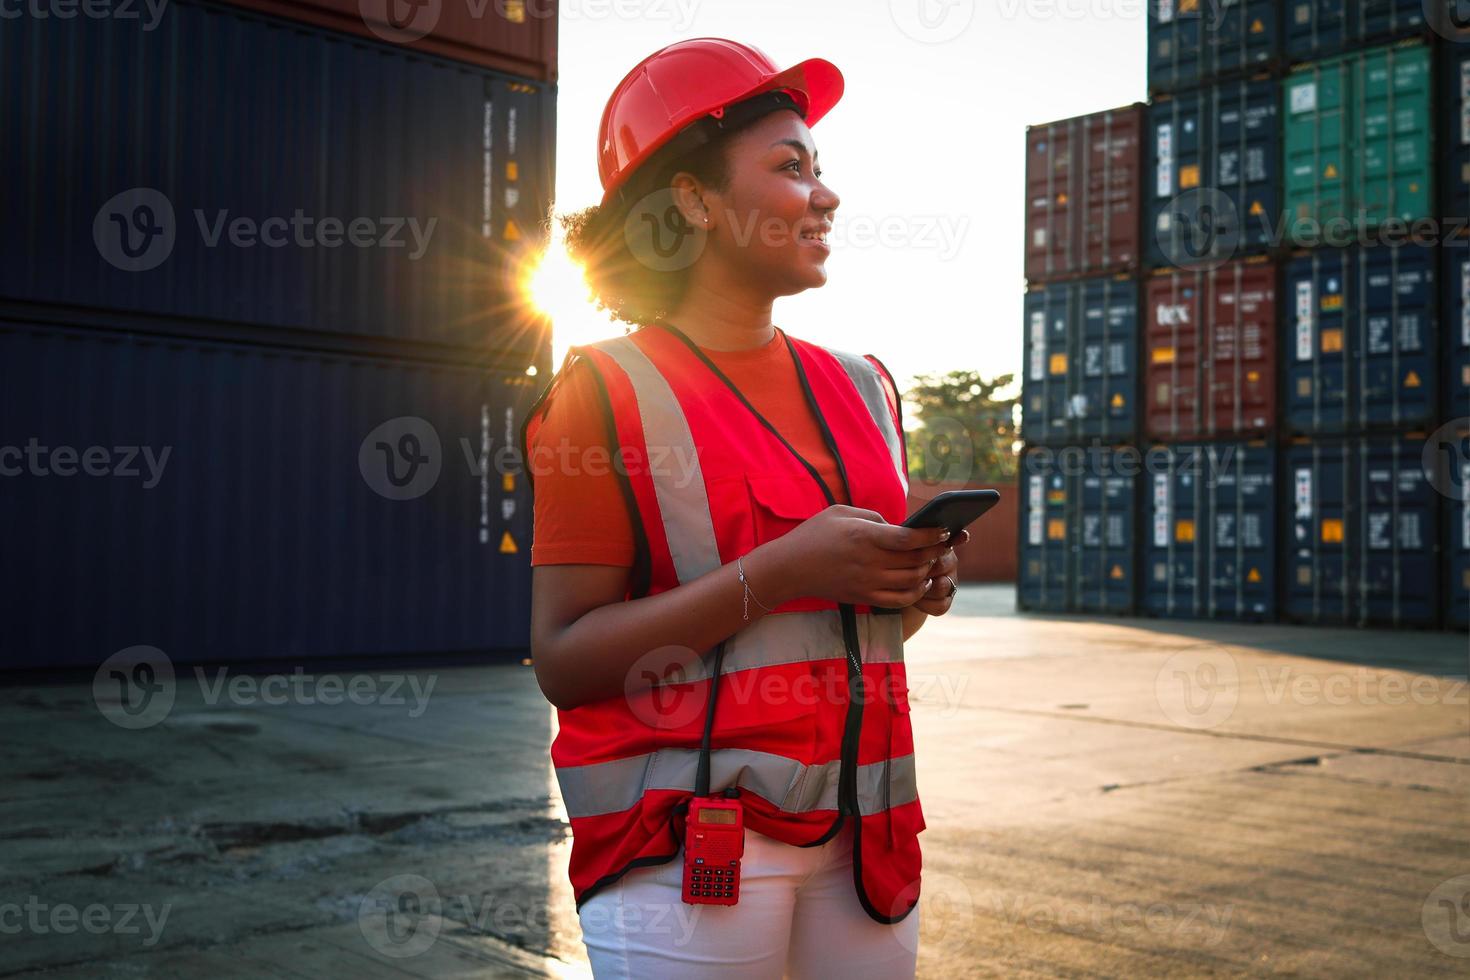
point(689, 197)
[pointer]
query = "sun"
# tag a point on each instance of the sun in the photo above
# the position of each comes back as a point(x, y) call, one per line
point(556, 286)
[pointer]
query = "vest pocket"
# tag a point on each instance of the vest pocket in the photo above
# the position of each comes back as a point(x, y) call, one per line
point(777, 505)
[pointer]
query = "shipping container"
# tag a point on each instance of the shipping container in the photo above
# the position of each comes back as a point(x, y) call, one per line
point(1210, 352)
point(1220, 147)
point(1319, 28)
point(1359, 143)
point(514, 36)
point(1081, 354)
point(226, 167)
point(244, 503)
point(1450, 464)
point(1361, 543)
point(1455, 260)
point(1083, 180)
point(1210, 513)
point(1077, 520)
point(1361, 339)
point(1191, 43)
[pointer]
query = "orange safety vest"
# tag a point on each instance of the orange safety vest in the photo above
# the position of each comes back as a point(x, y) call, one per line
point(807, 742)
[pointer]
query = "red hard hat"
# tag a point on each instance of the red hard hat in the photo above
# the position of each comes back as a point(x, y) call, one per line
point(688, 80)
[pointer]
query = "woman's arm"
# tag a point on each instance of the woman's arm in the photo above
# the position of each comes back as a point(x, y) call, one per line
point(585, 640)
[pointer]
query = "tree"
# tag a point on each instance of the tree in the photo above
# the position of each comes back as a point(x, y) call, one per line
point(966, 431)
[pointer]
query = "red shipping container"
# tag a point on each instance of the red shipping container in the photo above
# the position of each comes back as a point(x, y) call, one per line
point(991, 554)
point(1083, 188)
point(1210, 352)
point(514, 36)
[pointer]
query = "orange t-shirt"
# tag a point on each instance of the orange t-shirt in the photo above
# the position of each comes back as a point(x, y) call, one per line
point(581, 518)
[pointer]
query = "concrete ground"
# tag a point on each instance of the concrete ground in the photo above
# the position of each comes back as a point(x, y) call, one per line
point(1104, 797)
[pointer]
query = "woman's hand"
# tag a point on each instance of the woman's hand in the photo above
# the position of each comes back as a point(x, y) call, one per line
point(851, 555)
point(938, 599)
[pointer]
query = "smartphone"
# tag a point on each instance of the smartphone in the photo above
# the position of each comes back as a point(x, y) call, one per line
point(954, 509)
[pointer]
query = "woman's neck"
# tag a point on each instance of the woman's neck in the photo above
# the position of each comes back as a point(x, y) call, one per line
point(723, 320)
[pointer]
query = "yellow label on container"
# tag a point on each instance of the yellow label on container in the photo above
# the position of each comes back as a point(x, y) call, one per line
point(1304, 387)
point(1118, 399)
point(512, 232)
point(1411, 380)
point(1257, 209)
point(1062, 198)
point(1162, 355)
point(512, 170)
point(508, 482)
point(1331, 172)
point(1252, 376)
point(1332, 530)
point(1257, 27)
point(1057, 364)
point(508, 544)
point(1332, 302)
point(1116, 572)
point(1189, 177)
point(1254, 575)
point(1056, 529)
point(1332, 341)
point(1184, 530)
point(515, 11)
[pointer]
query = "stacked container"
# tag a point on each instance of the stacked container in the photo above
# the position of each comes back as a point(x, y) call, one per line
point(1080, 383)
point(267, 259)
point(1304, 316)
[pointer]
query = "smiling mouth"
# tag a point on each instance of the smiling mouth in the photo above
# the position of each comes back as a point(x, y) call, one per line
point(817, 237)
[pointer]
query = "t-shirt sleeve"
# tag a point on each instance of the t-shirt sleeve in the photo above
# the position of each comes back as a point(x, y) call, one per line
point(580, 516)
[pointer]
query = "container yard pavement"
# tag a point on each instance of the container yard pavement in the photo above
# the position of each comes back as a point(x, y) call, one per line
point(1104, 797)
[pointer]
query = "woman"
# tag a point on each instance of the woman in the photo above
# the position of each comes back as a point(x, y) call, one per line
point(721, 588)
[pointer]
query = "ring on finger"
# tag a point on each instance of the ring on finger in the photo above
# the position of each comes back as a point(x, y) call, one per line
point(953, 587)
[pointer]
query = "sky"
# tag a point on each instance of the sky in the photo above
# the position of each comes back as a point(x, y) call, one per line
point(926, 150)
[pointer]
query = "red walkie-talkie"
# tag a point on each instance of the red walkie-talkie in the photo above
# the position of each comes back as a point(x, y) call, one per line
point(714, 840)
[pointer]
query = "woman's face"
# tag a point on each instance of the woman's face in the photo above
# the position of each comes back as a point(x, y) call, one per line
point(770, 222)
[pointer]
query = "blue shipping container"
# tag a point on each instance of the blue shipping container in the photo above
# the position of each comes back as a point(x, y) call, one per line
point(1081, 355)
point(1223, 144)
point(1360, 341)
point(243, 503)
point(1361, 541)
point(1211, 518)
point(1448, 460)
point(1454, 133)
point(1455, 324)
point(1319, 28)
point(1078, 510)
point(1190, 43)
point(228, 167)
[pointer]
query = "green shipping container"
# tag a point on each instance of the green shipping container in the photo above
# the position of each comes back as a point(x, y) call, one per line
point(1359, 143)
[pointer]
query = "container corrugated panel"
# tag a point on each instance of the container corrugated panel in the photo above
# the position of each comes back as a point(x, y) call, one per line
point(1217, 144)
point(1319, 28)
point(1192, 42)
point(1455, 187)
point(1081, 354)
point(1453, 468)
point(1210, 517)
point(514, 36)
point(349, 188)
point(1361, 536)
point(1359, 143)
point(1077, 517)
point(1455, 322)
point(1361, 339)
point(235, 502)
point(1083, 178)
point(1210, 352)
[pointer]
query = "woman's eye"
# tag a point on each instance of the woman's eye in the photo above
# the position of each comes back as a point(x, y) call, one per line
point(794, 165)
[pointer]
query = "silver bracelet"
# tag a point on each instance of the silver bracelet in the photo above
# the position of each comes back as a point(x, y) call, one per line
point(740, 570)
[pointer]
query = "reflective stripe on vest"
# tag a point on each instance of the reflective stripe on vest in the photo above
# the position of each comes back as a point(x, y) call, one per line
point(681, 500)
point(612, 787)
point(865, 378)
point(798, 637)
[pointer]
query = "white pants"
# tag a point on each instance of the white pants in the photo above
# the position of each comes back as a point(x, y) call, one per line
point(798, 916)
